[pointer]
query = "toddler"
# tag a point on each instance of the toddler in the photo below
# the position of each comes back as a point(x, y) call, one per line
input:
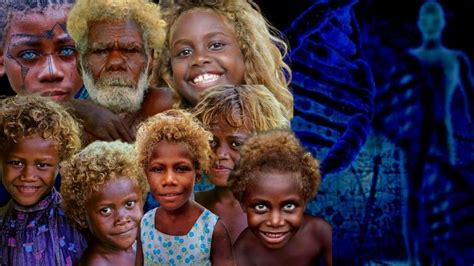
point(36, 134)
point(232, 113)
point(273, 181)
point(222, 42)
point(173, 149)
point(104, 190)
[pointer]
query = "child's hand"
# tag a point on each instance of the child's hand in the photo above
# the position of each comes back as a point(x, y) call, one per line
point(101, 122)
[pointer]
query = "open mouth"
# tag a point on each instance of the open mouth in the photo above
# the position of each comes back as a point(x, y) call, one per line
point(28, 190)
point(205, 79)
point(274, 238)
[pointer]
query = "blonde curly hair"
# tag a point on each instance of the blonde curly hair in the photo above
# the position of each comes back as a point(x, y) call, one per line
point(27, 115)
point(275, 150)
point(89, 170)
point(144, 12)
point(263, 46)
point(176, 126)
point(252, 107)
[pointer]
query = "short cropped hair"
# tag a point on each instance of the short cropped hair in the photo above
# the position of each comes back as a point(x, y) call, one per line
point(28, 115)
point(252, 107)
point(275, 150)
point(263, 46)
point(144, 12)
point(175, 126)
point(7, 7)
point(89, 170)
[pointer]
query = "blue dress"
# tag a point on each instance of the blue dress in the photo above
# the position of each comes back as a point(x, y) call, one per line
point(194, 248)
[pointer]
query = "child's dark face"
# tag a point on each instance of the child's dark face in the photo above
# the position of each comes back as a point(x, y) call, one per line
point(204, 53)
point(171, 174)
point(39, 55)
point(274, 205)
point(30, 168)
point(226, 144)
point(113, 214)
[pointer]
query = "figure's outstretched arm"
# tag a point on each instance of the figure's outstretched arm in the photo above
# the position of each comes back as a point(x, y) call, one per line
point(467, 83)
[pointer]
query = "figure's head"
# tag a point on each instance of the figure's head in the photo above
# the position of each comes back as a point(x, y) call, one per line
point(36, 134)
point(173, 149)
point(431, 20)
point(104, 190)
point(36, 52)
point(221, 42)
point(232, 113)
point(116, 40)
point(273, 181)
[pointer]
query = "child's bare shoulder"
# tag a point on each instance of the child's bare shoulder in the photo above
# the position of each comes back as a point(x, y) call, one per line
point(318, 227)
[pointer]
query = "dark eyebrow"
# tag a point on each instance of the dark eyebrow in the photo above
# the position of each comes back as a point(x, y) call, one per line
point(24, 39)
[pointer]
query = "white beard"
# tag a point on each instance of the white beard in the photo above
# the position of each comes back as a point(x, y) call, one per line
point(117, 94)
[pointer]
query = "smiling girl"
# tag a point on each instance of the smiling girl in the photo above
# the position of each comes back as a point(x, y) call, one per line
point(36, 134)
point(222, 42)
point(232, 114)
point(173, 150)
point(273, 181)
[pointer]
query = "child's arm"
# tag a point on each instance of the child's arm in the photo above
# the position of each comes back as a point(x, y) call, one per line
point(139, 254)
point(221, 247)
point(99, 121)
point(157, 100)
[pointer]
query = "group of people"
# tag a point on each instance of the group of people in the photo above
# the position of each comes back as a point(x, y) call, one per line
point(120, 99)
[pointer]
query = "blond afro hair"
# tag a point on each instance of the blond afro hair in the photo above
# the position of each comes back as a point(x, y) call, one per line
point(263, 46)
point(275, 150)
point(28, 115)
point(175, 126)
point(252, 107)
point(144, 12)
point(89, 170)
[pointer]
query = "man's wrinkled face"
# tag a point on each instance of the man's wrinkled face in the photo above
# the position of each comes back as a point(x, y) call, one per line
point(115, 65)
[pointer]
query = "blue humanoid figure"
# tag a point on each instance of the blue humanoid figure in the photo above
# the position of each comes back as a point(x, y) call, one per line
point(450, 70)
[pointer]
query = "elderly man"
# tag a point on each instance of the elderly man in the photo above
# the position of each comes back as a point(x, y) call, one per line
point(116, 41)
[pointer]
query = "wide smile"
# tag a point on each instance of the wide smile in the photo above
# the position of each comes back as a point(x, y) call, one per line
point(273, 238)
point(28, 190)
point(205, 80)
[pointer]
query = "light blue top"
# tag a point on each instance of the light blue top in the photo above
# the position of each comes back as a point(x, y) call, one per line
point(194, 248)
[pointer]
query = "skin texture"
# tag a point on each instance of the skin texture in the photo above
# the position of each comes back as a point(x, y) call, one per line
point(203, 42)
point(220, 200)
point(279, 233)
point(171, 174)
point(113, 218)
point(30, 168)
point(116, 51)
point(39, 56)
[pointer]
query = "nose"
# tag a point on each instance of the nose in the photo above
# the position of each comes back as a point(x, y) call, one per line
point(52, 71)
point(115, 61)
point(28, 174)
point(200, 57)
point(223, 152)
point(122, 217)
point(275, 219)
point(168, 179)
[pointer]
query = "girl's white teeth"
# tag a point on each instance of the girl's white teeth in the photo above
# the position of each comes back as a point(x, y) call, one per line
point(205, 78)
point(274, 235)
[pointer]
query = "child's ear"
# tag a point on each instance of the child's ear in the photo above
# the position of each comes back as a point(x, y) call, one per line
point(2, 63)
